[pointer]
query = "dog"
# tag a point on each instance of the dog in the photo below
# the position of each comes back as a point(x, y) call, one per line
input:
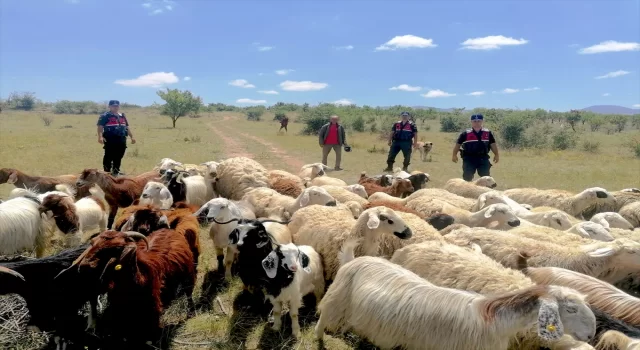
point(424, 148)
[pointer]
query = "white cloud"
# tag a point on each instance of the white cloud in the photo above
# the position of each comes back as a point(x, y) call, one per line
point(169, 7)
point(343, 102)
point(617, 73)
point(574, 45)
point(491, 42)
point(73, 1)
point(146, 4)
point(347, 47)
point(476, 93)
point(302, 85)
point(269, 92)
point(636, 105)
point(606, 94)
point(610, 46)
point(265, 48)
point(509, 91)
point(156, 12)
point(405, 87)
point(248, 100)
point(241, 83)
point(186, 78)
point(156, 79)
point(437, 93)
point(405, 42)
point(531, 89)
point(284, 71)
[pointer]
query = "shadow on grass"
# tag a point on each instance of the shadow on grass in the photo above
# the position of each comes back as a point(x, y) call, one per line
point(212, 285)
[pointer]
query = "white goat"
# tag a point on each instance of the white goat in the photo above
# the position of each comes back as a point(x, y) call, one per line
point(22, 226)
point(156, 193)
point(384, 303)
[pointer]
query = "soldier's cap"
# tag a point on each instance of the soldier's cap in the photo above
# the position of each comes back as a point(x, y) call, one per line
point(477, 117)
point(404, 114)
point(114, 103)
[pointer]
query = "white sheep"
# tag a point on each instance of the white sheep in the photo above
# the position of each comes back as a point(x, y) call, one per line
point(306, 265)
point(312, 170)
point(347, 193)
point(326, 180)
point(262, 198)
point(592, 230)
point(548, 234)
point(238, 175)
point(421, 231)
point(611, 220)
point(442, 195)
point(318, 214)
point(280, 232)
point(609, 261)
point(631, 212)
point(573, 204)
point(327, 236)
point(393, 307)
point(613, 339)
point(223, 210)
point(470, 189)
point(156, 193)
point(499, 212)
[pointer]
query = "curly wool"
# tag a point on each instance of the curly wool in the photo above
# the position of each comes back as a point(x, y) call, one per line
point(238, 175)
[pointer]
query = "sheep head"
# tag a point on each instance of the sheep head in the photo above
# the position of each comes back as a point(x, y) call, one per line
point(4, 174)
point(591, 230)
point(383, 219)
point(502, 213)
point(622, 252)
point(316, 195)
point(402, 186)
point(565, 312)
point(250, 233)
point(285, 257)
point(557, 219)
point(146, 221)
point(218, 209)
point(595, 193)
point(440, 220)
point(156, 191)
point(358, 189)
point(612, 220)
point(489, 198)
point(486, 181)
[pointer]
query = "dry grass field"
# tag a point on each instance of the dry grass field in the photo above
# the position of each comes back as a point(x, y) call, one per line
point(70, 144)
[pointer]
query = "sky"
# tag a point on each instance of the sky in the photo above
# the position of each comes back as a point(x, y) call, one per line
point(555, 55)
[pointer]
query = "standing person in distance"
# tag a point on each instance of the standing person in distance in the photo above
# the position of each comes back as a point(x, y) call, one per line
point(474, 145)
point(283, 123)
point(403, 137)
point(332, 136)
point(113, 129)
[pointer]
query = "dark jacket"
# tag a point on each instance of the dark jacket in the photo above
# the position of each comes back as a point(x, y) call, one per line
point(475, 144)
point(324, 132)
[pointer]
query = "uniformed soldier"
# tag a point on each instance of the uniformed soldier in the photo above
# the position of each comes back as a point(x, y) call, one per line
point(474, 145)
point(113, 129)
point(403, 137)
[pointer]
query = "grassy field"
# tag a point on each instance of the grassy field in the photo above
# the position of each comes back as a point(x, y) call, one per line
point(70, 144)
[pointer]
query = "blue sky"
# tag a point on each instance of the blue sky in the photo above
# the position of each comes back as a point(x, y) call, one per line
point(510, 54)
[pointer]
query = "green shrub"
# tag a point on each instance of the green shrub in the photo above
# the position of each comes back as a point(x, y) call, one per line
point(254, 115)
point(563, 140)
point(358, 124)
point(313, 124)
point(591, 146)
point(451, 123)
point(279, 116)
point(512, 132)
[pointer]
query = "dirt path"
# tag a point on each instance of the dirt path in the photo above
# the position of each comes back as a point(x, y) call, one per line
point(233, 147)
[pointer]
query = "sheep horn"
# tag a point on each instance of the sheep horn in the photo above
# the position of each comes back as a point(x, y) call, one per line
point(134, 235)
point(11, 272)
point(226, 222)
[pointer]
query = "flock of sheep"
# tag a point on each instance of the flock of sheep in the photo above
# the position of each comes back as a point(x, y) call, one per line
point(388, 258)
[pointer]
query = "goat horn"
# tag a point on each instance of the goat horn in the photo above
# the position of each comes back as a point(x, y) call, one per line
point(11, 272)
point(134, 235)
point(226, 222)
point(75, 262)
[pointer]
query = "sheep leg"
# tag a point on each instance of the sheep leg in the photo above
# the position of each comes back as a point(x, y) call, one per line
point(220, 257)
point(319, 329)
point(277, 315)
point(294, 305)
point(228, 261)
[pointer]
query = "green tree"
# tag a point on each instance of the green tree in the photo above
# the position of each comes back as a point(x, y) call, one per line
point(179, 103)
point(618, 121)
point(573, 118)
point(25, 101)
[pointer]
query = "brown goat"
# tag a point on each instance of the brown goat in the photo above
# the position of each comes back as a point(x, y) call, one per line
point(397, 188)
point(141, 278)
point(119, 192)
point(286, 186)
point(381, 181)
point(39, 184)
point(392, 205)
point(148, 218)
point(64, 212)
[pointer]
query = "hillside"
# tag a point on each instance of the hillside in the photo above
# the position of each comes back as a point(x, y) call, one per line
point(611, 109)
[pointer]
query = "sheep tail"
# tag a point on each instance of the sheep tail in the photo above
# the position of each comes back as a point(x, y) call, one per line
point(347, 252)
point(614, 340)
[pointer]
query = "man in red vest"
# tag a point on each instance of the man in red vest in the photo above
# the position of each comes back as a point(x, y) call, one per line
point(474, 145)
point(332, 136)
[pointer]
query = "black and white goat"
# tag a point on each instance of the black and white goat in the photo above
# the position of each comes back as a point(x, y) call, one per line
point(284, 272)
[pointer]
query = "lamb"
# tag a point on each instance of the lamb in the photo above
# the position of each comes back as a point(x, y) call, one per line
point(39, 184)
point(572, 203)
point(327, 237)
point(262, 198)
point(76, 217)
point(608, 261)
point(157, 194)
point(397, 188)
point(239, 175)
point(119, 192)
point(631, 212)
point(611, 220)
point(223, 210)
point(501, 213)
point(599, 294)
point(366, 285)
point(470, 189)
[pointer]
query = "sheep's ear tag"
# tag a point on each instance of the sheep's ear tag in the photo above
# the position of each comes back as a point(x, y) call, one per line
point(549, 324)
point(270, 264)
point(118, 267)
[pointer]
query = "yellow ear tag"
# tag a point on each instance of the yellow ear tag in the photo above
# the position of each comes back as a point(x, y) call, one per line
point(118, 267)
point(550, 328)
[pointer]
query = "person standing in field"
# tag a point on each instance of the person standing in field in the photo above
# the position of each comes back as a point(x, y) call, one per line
point(283, 123)
point(332, 136)
point(403, 137)
point(474, 145)
point(113, 129)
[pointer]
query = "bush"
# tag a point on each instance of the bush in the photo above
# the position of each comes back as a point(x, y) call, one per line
point(450, 123)
point(78, 107)
point(596, 123)
point(25, 101)
point(591, 146)
point(537, 137)
point(358, 124)
point(512, 132)
point(373, 128)
point(563, 140)
point(313, 124)
point(279, 116)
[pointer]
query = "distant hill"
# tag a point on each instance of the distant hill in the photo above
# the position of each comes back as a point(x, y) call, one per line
point(611, 109)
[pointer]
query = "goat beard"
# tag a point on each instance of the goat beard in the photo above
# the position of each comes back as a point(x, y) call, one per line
point(67, 221)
